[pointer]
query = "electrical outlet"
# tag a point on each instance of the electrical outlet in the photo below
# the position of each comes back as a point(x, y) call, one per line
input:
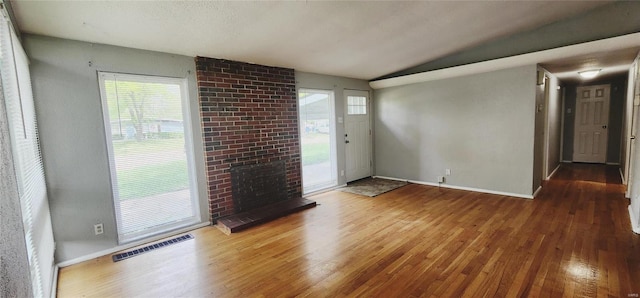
point(98, 229)
point(447, 171)
point(440, 179)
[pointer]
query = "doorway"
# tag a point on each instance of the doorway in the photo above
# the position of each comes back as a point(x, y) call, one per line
point(317, 138)
point(357, 135)
point(150, 154)
point(591, 124)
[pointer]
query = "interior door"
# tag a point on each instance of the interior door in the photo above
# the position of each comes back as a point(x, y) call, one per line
point(357, 135)
point(591, 124)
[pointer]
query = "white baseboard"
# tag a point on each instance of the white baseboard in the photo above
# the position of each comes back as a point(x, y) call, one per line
point(473, 189)
point(635, 224)
point(130, 245)
point(391, 178)
point(567, 161)
point(552, 173)
point(622, 176)
point(612, 163)
point(535, 193)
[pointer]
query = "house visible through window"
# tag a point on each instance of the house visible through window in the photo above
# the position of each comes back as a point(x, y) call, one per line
point(150, 155)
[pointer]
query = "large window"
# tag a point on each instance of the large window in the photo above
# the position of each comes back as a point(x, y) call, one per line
point(150, 154)
point(27, 160)
point(317, 132)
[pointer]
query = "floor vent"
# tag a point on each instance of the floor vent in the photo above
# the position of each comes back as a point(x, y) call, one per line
point(148, 248)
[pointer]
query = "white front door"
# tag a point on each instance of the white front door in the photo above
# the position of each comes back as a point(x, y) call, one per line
point(357, 135)
point(592, 120)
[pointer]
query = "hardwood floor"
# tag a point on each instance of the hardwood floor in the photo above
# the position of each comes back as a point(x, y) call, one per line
point(573, 240)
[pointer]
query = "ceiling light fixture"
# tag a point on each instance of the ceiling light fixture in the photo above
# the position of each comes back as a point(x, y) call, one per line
point(589, 74)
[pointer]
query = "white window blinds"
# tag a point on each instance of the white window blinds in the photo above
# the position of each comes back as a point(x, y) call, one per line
point(150, 154)
point(27, 159)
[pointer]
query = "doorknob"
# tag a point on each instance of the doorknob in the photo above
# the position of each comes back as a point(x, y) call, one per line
point(604, 126)
point(346, 141)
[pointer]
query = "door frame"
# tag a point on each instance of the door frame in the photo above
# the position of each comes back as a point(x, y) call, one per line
point(189, 150)
point(333, 138)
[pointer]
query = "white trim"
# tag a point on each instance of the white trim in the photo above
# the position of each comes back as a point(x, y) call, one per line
point(321, 191)
point(635, 226)
point(562, 116)
point(603, 45)
point(129, 245)
point(612, 163)
point(54, 281)
point(493, 192)
point(390, 178)
point(537, 191)
point(567, 161)
point(624, 182)
point(552, 173)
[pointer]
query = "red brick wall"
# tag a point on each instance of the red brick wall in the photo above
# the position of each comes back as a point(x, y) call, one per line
point(249, 116)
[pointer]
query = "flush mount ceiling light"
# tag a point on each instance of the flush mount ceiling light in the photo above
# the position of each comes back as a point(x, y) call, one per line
point(589, 74)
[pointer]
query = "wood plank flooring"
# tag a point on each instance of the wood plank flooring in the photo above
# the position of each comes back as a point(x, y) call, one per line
point(573, 240)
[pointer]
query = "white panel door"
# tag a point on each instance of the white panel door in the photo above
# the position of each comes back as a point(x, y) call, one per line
point(357, 135)
point(591, 124)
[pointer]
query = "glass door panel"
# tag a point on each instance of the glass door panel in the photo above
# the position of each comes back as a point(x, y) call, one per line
point(317, 131)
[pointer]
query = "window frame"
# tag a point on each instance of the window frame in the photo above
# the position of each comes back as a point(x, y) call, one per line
point(189, 150)
point(332, 142)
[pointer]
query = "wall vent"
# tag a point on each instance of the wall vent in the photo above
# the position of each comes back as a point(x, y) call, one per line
point(150, 247)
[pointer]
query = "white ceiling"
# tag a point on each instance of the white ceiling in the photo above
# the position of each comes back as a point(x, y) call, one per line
point(353, 39)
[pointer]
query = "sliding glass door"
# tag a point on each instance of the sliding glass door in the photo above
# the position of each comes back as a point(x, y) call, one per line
point(150, 154)
point(317, 131)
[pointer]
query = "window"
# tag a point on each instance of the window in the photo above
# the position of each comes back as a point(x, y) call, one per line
point(317, 132)
point(356, 105)
point(150, 155)
point(27, 159)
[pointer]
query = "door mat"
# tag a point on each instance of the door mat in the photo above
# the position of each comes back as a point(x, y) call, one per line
point(150, 247)
point(372, 187)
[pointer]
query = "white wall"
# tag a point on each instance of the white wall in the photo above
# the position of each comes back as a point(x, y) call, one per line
point(66, 92)
point(337, 85)
point(479, 126)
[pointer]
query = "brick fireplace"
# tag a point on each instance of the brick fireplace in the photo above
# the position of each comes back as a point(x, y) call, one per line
point(249, 118)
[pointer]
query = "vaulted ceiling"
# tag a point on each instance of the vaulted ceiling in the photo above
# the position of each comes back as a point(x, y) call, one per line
point(360, 39)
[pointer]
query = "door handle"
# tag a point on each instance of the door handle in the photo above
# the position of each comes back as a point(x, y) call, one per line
point(604, 126)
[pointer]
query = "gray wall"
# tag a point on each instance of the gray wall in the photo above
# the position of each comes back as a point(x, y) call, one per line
point(15, 276)
point(615, 19)
point(616, 112)
point(68, 106)
point(338, 85)
point(539, 137)
point(553, 108)
point(479, 126)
